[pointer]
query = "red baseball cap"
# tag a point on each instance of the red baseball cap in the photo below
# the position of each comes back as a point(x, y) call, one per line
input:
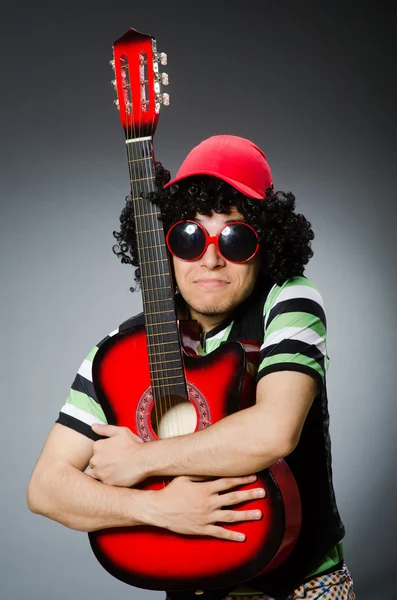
point(231, 158)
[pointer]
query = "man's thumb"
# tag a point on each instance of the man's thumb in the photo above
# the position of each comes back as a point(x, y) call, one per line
point(103, 429)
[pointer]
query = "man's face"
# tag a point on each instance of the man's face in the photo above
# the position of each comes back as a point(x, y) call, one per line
point(212, 286)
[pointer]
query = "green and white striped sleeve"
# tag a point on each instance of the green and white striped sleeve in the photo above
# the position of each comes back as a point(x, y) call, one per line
point(82, 407)
point(295, 331)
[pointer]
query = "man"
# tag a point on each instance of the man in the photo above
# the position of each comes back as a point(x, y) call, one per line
point(239, 282)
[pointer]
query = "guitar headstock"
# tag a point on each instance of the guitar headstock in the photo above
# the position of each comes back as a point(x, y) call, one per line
point(137, 83)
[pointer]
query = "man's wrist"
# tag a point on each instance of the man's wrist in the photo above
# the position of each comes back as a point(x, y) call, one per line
point(149, 462)
point(148, 511)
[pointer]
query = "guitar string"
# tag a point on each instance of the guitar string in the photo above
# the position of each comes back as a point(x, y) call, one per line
point(148, 170)
point(176, 415)
point(165, 383)
point(174, 422)
point(162, 384)
point(133, 159)
point(152, 294)
point(131, 164)
point(160, 251)
point(166, 279)
point(140, 223)
point(132, 155)
point(147, 211)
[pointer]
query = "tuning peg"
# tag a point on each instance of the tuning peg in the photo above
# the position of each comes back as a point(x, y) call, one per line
point(163, 58)
point(114, 84)
point(163, 99)
point(117, 103)
point(111, 63)
point(161, 78)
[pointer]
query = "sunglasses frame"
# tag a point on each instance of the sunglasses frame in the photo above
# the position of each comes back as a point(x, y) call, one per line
point(213, 239)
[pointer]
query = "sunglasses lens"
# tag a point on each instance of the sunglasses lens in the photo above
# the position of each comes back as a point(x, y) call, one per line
point(238, 242)
point(186, 240)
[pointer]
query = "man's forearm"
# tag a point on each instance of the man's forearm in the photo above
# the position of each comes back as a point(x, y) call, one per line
point(220, 450)
point(68, 496)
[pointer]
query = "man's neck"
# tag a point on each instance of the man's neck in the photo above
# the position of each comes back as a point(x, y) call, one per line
point(207, 322)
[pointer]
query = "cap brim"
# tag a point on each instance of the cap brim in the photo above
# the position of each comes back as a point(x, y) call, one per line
point(244, 189)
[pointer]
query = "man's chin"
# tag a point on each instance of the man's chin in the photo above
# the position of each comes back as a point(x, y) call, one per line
point(212, 310)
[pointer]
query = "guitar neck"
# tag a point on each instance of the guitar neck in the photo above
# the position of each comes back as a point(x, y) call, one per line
point(166, 368)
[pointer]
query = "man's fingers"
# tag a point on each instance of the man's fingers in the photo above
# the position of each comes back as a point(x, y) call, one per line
point(226, 483)
point(106, 430)
point(233, 498)
point(231, 516)
point(201, 478)
point(224, 534)
point(236, 516)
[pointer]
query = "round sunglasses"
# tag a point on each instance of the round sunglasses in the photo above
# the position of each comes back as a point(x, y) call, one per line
point(237, 242)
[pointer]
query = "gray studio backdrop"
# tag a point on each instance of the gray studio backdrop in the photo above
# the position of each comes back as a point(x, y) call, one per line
point(312, 83)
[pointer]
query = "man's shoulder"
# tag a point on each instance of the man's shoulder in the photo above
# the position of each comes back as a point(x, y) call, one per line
point(130, 323)
point(293, 290)
point(298, 281)
point(297, 287)
point(271, 290)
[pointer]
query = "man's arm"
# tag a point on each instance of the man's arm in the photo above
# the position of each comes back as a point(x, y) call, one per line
point(242, 443)
point(58, 488)
point(246, 441)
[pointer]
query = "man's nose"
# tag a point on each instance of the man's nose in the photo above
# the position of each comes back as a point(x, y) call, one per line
point(211, 257)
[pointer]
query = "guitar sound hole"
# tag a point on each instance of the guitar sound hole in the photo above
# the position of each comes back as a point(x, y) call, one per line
point(172, 416)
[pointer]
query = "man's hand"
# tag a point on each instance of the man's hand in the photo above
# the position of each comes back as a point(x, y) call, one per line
point(115, 461)
point(192, 507)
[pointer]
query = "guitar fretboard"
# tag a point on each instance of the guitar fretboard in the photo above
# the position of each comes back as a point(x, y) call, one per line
point(166, 369)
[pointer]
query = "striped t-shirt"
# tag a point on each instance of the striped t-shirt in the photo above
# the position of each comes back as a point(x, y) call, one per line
point(289, 324)
point(294, 338)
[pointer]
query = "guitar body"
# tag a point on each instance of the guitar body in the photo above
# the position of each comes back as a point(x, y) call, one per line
point(152, 558)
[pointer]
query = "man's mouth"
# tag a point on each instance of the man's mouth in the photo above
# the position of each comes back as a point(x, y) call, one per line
point(211, 282)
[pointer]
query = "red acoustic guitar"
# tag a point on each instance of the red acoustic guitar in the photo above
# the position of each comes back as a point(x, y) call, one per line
point(150, 379)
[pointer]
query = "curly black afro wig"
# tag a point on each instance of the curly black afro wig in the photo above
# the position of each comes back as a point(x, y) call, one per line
point(285, 237)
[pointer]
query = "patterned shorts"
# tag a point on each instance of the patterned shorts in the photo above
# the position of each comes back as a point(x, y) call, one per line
point(334, 586)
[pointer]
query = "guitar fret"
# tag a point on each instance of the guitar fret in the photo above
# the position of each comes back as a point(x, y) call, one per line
point(148, 273)
point(138, 139)
point(161, 343)
point(153, 214)
point(162, 333)
point(148, 262)
point(161, 353)
point(139, 159)
point(159, 274)
point(142, 179)
point(161, 300)
point(160, 323)
point(151, 230)
point(169, 377)
point(173, 360)
point(155, 246)
point(159, 312)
